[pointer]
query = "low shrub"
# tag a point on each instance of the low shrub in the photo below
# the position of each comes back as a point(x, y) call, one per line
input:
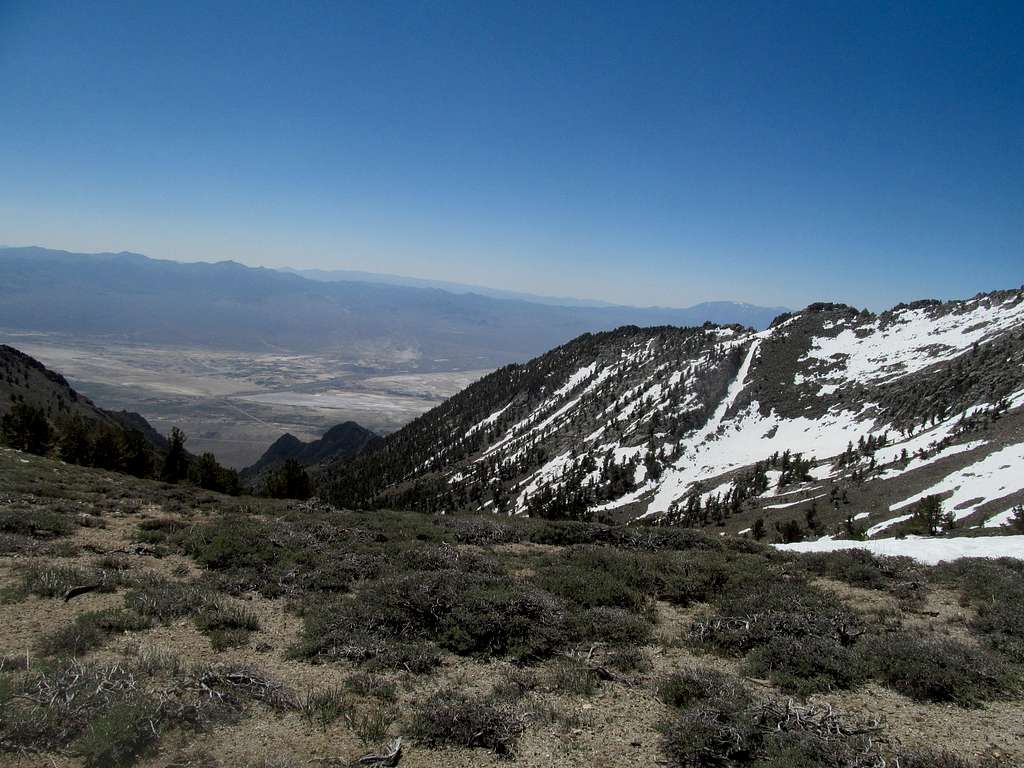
point(995, 589)
point(752, 612)
point(768, 734)
point(466, 613)
point(56, 580)
point(595, 577)
point(482, 531)
point(861, 568)
point(234, 542)
point(164, 600)
point(628, 659)
point(121, 735)
point(374, 686)
point(704, 738)
point(807, 665)
point(444, 557)
point(90, 630)
point(565, 533)
point(452, 718)
point(35, 523)
point(940, 670)
point(323, 706)
point(573, 677)
point(371, 720)
point(692, 686)
point(613, 626)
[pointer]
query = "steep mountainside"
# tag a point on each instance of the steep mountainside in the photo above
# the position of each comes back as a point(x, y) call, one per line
point(131, 298)
point(340, 441)
point(23, 379)
point(832, 419)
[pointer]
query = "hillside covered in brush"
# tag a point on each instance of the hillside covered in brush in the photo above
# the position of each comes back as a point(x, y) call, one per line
point(340, 441)
point(42, 414)
point(832, 421)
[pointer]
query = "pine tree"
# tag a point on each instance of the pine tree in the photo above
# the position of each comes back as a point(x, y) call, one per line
point(928, 514)
point(25, 428)
point(175, 466)
point(136, 456)
point(74, 445)
point(289, 481)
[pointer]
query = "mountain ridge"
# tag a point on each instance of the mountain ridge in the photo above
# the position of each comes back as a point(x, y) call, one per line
point(635, 422)
point(340, 441)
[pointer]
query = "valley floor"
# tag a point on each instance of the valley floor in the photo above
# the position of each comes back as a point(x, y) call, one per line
point(246, 632)
point(235, 404)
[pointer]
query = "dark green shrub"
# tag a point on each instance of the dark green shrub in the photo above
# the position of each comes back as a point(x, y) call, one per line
point(752, 612)
point(613, 626)
point(805, 665)
point(707, 738)
point(796, 749)
point(564, 533)
point(481, 530)
point(995, 589)
point(939, 670)
point(227, 624)
point(660, 538)
point(444, 557)
point(235, 543)
point(37, 523)
point(860, 568)
point(599, 577)
point(121, 735)
point(464, 612)
point(80, 636)
point(700, 576)
point(628, 659)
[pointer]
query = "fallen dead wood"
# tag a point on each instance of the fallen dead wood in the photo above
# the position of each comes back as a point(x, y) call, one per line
point(81, 589)
point(388, 758)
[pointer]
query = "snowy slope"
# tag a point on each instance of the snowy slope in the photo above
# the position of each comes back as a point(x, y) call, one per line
point(859, 415)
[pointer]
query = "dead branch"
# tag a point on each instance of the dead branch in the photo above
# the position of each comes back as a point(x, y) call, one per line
point(389, 758)
point(81, 589)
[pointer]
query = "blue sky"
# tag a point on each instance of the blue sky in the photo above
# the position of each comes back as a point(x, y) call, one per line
point(645, 153)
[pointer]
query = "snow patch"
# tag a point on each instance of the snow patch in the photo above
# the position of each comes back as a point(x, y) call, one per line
point(923, 549)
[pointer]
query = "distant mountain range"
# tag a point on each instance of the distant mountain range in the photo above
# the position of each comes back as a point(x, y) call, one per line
point(358, 276)
point(226, 305)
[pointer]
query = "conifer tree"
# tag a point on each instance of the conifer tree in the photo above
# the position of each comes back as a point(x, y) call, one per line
point(175, 466)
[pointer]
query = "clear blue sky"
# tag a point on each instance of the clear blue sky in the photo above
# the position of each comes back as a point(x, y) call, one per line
point(646, 153)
